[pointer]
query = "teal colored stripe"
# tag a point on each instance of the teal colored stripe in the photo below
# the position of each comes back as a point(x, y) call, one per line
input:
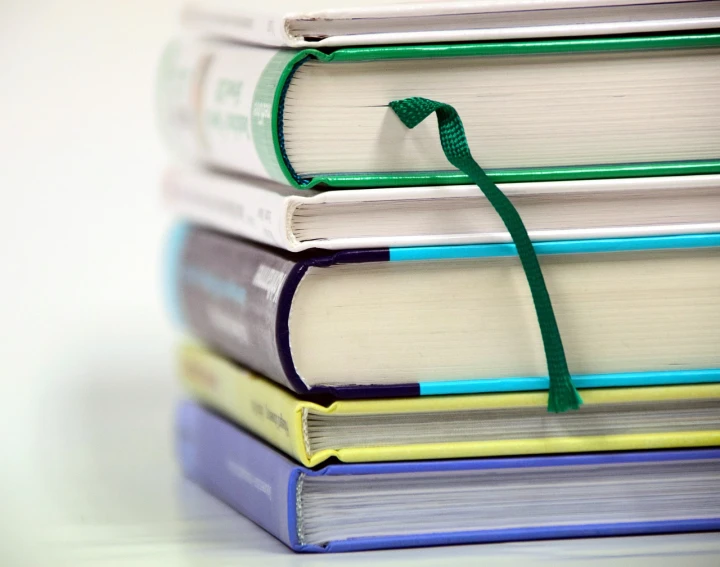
point(172, 259)
point(626, 379)
point(556, 247)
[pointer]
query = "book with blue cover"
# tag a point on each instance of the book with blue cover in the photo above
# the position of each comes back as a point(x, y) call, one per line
point(451, 319)
point(350, 507)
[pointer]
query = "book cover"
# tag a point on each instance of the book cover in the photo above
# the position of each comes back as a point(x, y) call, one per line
point(237, 468)
point(223, 105)
point(280, 418)
point(269, 411)
point(237, 296)
point(267, 487)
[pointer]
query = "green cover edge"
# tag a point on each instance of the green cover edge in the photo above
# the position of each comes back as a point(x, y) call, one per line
point(566, 173)
point(538, 47)
point(563, 173)
point(267, 94)
point(269, 90)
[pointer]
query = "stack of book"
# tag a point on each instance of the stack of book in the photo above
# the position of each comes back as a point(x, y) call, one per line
point(374, 359)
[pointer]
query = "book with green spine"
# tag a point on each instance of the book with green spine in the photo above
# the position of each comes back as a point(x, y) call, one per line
point(533, 110)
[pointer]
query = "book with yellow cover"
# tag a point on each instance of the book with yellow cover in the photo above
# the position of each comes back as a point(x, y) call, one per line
point(440, 427)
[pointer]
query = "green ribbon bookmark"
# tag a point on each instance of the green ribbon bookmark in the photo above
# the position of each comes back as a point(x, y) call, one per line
point(412, 111)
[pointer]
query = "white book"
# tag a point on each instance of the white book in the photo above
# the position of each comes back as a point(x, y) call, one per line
point(296, 220)
point(326, 23)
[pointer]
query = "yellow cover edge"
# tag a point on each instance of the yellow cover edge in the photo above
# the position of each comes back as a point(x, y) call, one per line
point(635, 442)
point(266, 410)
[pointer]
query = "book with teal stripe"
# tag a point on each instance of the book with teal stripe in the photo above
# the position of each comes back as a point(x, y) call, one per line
point(451, 319)
point(551, 109)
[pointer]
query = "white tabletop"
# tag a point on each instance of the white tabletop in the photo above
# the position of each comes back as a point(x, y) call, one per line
point(87, 474)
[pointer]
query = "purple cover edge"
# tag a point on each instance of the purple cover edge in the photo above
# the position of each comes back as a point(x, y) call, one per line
point(282, 331)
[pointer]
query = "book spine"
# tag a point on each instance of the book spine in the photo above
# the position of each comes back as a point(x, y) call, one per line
point(241, 209)
point(239, 470)
point(218, 104)
point(227, 293)
point(176, 98)
point(270, 412)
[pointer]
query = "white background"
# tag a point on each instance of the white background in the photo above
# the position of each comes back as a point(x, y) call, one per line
point(85, 348)
point(86, 387)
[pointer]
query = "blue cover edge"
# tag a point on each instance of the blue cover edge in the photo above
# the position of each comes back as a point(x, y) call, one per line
point(546, 248)
point(530, 383)
point(172, 256)
point(293, 541)
point(525, 534)
point(185, 449)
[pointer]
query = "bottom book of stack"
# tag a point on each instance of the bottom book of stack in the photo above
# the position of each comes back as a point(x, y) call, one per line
point(346, 507)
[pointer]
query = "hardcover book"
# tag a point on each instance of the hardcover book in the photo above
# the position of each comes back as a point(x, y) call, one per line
point(441, 427)
point(324, 23)
point(352, 507)
point(532, 110)
point(451, 319)
point(294, 219)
